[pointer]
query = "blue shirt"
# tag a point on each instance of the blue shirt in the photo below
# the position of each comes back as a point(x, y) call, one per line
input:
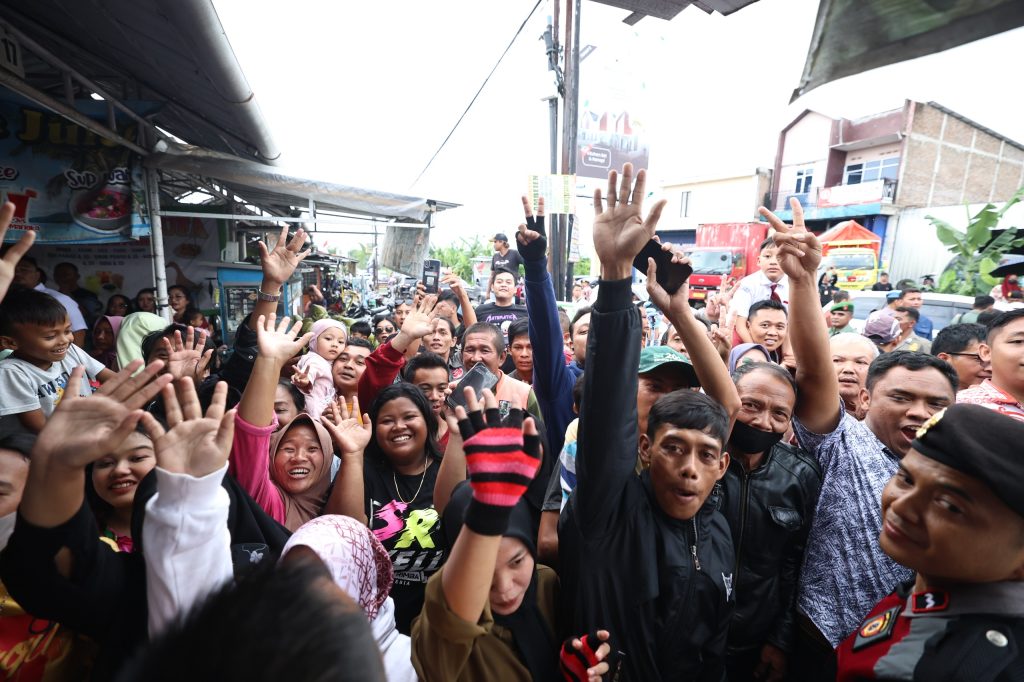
point(845, 571)
point(923, 328)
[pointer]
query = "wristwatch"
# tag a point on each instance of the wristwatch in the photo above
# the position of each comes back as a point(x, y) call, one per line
point(269, 298)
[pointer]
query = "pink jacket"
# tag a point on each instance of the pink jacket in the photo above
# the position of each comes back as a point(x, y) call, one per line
point(250, 465)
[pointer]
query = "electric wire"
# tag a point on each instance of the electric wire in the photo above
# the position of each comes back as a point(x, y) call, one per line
point(481, 88)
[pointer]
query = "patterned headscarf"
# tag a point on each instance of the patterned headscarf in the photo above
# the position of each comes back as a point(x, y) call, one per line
point(357, 561)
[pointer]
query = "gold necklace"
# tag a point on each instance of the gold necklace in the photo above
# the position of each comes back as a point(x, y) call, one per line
point(394, 479)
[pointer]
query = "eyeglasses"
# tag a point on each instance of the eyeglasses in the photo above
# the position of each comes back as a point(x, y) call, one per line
point(977, 358)
point(385, 330)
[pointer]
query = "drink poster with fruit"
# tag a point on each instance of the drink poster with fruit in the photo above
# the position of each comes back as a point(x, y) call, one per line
point(68, 184)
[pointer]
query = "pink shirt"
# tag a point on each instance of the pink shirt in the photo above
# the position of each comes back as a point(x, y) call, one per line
point(250, 465)
point(321, 390)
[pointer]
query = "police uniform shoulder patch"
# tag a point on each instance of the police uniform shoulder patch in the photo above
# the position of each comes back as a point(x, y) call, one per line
point(876, 628)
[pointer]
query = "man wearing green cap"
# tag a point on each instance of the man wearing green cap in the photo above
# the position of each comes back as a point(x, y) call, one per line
point(954, 513)
point(840, 315)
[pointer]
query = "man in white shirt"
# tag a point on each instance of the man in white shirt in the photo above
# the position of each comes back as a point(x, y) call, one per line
point(770, 283)
point(28, 274)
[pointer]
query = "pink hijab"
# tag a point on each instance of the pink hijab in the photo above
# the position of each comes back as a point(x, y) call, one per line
point(109, 359)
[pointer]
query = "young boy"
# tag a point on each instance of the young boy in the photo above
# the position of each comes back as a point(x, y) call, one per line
point(954, 513)
point(1004, 391)
point(33, 379)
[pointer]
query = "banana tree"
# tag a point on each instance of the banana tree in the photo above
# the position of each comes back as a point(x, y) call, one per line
point(975, 253)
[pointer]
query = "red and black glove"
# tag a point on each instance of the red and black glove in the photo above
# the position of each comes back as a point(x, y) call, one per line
point(501, 463)
point(575, 662)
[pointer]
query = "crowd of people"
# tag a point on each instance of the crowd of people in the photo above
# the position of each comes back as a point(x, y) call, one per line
point(751, 490)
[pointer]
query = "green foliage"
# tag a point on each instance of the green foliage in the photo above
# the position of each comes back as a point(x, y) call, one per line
point(582, 267)
point(974, 256)
point(362, 254)
point(459, 256)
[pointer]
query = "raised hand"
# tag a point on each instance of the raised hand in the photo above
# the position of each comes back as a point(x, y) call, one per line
point(454, 282)
point(531, 239)
point(420, 321)
point(81, 430)
point(501, 457)
point(279, 343)
point(279, 264)
point(348, 431)
point(620, 232)
point(300, 380)
point(582, 658)
point(15, 252)
point(192, 444)
point(186, 357)
point(799, 250)
point(677, 304)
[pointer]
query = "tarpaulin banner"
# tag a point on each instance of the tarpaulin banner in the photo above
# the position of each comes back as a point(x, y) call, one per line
point(851, 36)
point(68, 184)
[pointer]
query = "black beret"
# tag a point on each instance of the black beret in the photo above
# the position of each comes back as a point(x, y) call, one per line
point(981, 443)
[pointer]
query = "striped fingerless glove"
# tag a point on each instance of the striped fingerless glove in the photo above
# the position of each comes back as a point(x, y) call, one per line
point(501, 463)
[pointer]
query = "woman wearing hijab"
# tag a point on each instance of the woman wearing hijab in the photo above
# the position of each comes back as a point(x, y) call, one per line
point(747, 352)
point(361, 567)
point(489, 613)
point(134, 328)
point(286, 472)
point(104, 340)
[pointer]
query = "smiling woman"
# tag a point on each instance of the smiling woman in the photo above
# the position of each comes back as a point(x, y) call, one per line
point(111, 485)
point(391, 489)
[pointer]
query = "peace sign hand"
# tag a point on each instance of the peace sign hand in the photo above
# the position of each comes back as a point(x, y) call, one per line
point(531, 239)
point(799, 250)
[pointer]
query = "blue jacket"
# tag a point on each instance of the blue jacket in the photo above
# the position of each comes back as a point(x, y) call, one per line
point(553, 380)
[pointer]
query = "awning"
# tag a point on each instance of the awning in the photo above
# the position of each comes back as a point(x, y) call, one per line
point(849, 231)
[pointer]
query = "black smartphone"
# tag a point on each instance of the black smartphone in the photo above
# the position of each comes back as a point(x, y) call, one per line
point(431, 275)
point(478, 379)
point(671, 275)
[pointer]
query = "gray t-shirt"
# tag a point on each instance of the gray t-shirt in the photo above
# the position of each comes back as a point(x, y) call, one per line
point(845, 571)
point(25, 387)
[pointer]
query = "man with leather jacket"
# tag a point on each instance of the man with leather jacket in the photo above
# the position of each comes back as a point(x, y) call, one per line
point(770, 491)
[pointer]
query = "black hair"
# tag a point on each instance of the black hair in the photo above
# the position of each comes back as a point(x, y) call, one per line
point(381, 318)
point(361, 327)
point(451, 325)
point(840, 295)
point(913, 312)
point(152, 340)
point(520, 327)
point(577, 392)
point(956, 337)
point(28, 306)
point(765, 244)
point(487, 328)
point(21, 442)
point(413, 393)
point(147, 290)
point(424, 360)
point(585, 310)
point(65, 264)
point(913, 361)
point(448, 295)
point(883, 274)
point(1000, 321)
point(686, 409)
point(101, 509)
point(318, 634)
point(664, 337)
point(184, 290)
point(909, 290)
point(127, 301)
point(986, 318)
point(767, 304)
point(358, 343)
point(981, 302)
point(297, 396)
point(779, 371)
point(1016, 295)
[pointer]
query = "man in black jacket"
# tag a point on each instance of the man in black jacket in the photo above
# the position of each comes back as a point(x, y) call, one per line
point(770, 492)
point(648, 558)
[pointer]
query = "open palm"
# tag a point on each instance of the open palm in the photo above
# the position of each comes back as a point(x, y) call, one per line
point(620, 231)
point(349, 432)
point(279, 264)
point(193, 444)
point(279, 342)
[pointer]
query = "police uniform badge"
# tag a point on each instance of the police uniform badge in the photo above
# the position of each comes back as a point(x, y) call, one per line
point(935, 419)
point(876, 628)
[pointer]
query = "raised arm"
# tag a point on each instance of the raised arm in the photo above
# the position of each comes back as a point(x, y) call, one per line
point(453, 464)
point(15, 251)
point(351, 436)
point(186, 534)
point(608, 428)
point(468, 313)
point(278, 266)
point(387, 360)
point(817, 405)
point(712, 372)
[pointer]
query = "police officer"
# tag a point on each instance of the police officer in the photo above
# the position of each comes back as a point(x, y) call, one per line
point(954, 512)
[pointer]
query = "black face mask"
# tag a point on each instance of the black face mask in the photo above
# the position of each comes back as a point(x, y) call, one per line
point(747, 440)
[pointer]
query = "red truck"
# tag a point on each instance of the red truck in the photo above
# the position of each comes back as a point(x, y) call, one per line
point(722, 250)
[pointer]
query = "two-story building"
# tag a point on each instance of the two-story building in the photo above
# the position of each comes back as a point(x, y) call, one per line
point(722, 198)
point(888, 170)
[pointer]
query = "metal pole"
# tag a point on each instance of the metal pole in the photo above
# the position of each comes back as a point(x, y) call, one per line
point(572, 104)
point(156, 244)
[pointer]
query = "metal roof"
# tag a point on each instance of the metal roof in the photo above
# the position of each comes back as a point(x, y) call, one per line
point(668, 9)
point(175, 53)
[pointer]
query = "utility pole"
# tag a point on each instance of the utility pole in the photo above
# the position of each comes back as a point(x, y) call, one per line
point(552, 50)
point(560, 273)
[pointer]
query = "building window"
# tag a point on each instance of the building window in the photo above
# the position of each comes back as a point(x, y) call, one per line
point(684, 204)
point(804, 180)
point(869, 171)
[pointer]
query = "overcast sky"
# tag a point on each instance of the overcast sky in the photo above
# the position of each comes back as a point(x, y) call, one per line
point(364, 93)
